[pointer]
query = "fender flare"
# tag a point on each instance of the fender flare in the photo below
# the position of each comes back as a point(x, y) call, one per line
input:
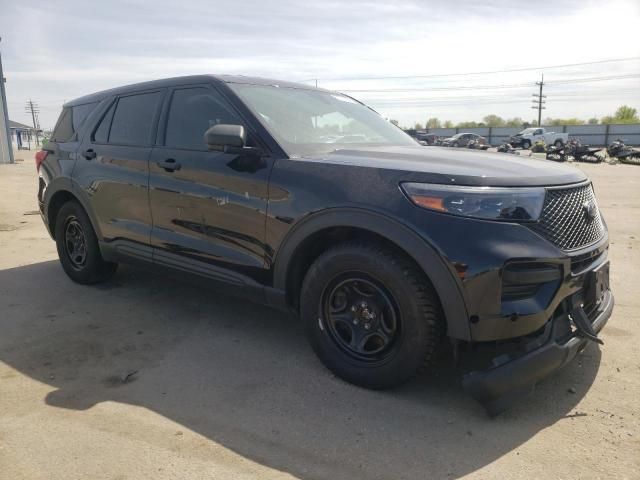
point(67, 185)
point(428, 259)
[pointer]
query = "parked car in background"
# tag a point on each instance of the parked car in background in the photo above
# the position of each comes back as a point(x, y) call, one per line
point(428, 138)
point(463, 139)
point(529, 136)
point(423, 136)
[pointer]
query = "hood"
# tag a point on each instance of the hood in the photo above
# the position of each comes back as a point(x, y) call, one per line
point(461, 167)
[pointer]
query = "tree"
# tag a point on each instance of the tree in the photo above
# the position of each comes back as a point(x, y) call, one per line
point(514, 122)
point(592, 121)
point(626, 114)
point(433, 123)
point(494, 121)
point(418, 126)
point(470, 124)
point(562, 121)
point(448, 124)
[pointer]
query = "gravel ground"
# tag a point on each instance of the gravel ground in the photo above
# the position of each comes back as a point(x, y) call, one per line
point(147, 377)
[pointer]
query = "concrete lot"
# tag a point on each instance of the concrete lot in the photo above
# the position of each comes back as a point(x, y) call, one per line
point(227, 389)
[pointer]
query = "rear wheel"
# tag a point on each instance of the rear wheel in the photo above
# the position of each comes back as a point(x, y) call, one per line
point(78, 247)
point(558, 143)
point(371, 315)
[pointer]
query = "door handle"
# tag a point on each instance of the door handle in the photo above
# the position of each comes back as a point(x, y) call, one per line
point(89, 154)
point(169, 165)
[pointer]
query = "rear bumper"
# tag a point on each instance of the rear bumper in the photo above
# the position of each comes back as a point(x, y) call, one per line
point(497, 387)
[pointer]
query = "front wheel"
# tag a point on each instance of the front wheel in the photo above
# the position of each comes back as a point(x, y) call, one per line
point(371, 315)
point(526, 145)
point(78, 247)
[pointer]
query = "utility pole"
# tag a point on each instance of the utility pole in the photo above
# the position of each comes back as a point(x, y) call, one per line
point(540, 102)
point(34, 110)
point(6, 150)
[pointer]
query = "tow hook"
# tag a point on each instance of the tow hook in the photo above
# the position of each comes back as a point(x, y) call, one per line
point(583, 326)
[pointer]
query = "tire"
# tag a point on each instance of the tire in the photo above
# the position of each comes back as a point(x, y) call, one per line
point(526, 144)
point(78, 247)
point(408, 313)
point(455, 144)
point(558, 143)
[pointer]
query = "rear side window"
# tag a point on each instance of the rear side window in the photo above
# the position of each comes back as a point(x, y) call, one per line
point(64, 128)
point(101, 134)
point(132, 119)
point(80, 114)
point(192, 112)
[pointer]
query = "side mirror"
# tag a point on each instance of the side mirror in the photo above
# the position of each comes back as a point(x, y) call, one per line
point(220, 137)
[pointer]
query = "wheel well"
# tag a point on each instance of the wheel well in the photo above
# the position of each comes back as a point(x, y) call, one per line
point(55, 204)
point(319, 242)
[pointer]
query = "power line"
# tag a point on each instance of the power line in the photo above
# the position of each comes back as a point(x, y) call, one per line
point(467, 98)
point(523, 69)
point(494, 87)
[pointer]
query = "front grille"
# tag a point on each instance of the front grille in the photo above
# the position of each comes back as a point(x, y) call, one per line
point(565, 221)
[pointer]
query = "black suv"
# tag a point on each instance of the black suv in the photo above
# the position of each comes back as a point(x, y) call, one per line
point(308, 200)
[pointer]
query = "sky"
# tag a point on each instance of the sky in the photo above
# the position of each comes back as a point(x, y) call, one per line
point(54, 51)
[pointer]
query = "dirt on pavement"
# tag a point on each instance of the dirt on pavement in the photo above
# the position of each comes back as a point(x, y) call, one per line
point(150, 377)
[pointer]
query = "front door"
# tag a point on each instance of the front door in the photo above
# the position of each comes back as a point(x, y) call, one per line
point(208, 207)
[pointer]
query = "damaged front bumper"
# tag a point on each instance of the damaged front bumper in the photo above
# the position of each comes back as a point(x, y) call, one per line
point(561, 340)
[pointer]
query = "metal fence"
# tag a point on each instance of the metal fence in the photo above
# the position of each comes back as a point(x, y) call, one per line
point(598, 135)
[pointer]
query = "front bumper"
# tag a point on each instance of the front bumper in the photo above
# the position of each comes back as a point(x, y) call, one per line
point(511, 377)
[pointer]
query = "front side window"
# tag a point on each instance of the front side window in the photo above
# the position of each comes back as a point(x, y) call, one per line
point(192, 112)
point(307, 121)
point(133, 118)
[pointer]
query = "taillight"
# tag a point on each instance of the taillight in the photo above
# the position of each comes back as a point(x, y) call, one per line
point(40, 157)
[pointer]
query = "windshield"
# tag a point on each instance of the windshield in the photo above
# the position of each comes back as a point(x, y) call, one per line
point(527, 130)
point(307, 122)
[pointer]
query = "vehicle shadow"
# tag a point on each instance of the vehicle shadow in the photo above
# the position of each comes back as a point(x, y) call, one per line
point(243, 376)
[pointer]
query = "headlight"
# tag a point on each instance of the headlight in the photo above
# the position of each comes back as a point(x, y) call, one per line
point(490, 203)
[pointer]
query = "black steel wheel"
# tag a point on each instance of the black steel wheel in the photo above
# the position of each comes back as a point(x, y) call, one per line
point(371, 314)
point(361, 316)
point(78, 247)
point(75, 243)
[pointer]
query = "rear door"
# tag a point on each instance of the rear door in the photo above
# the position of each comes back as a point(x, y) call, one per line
point(113, 168)
point(208, 206)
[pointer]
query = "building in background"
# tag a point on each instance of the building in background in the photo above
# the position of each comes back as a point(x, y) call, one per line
point(22, 136)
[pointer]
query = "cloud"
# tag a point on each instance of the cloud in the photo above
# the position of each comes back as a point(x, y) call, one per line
point(56, 51)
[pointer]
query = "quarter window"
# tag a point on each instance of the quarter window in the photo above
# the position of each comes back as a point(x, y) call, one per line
point(192, 112)
point(64, 128)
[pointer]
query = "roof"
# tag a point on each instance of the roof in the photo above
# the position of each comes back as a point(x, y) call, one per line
point(18, 125)
point(191, 79)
